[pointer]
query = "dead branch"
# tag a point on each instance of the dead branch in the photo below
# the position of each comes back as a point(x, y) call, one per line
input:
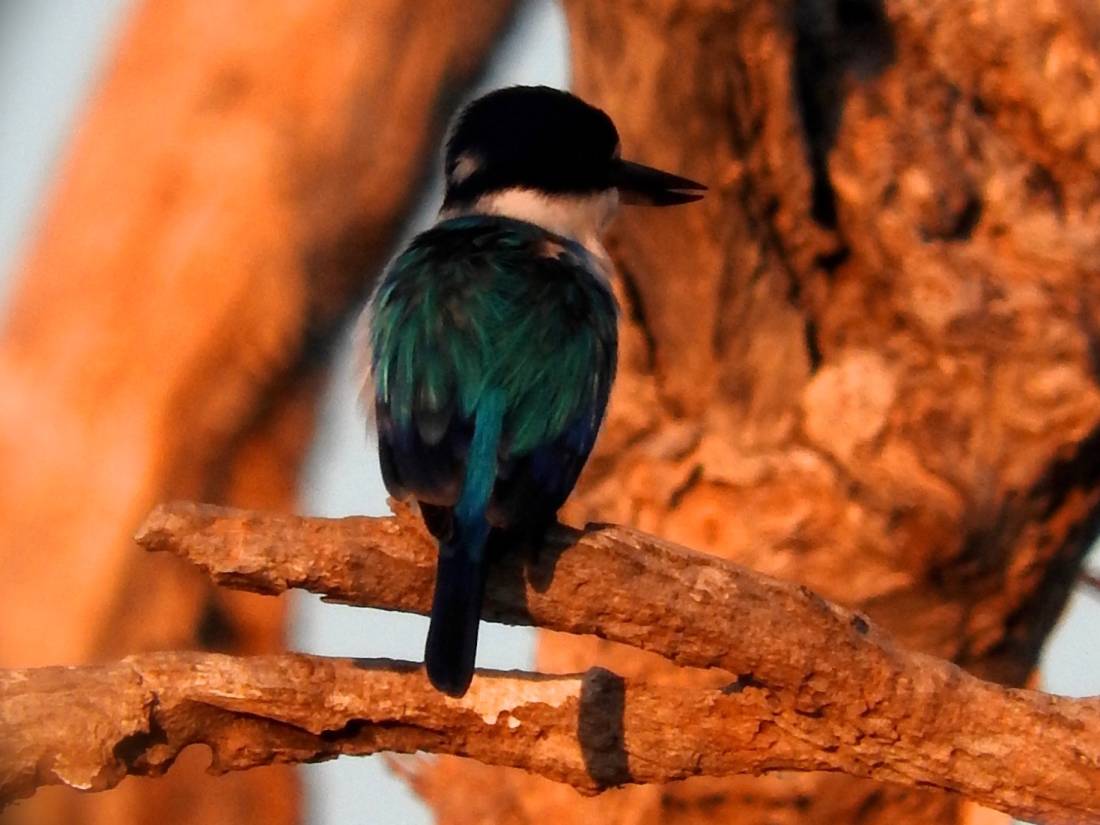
point(89, 727)
point(827, 678)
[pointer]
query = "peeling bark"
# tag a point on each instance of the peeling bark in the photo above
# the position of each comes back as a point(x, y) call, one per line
point(836, 682)
point(592, 731)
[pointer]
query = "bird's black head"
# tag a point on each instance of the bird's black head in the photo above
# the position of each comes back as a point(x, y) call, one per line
point(549, 141)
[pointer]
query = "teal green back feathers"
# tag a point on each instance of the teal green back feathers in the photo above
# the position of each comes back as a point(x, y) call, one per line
point(481, 304)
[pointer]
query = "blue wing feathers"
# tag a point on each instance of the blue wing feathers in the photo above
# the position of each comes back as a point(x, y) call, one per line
point(474, 304)
point(491, 367)
point(481, 461)
point(460, 573)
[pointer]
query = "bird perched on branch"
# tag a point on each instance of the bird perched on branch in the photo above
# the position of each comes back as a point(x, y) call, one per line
point(493, 340)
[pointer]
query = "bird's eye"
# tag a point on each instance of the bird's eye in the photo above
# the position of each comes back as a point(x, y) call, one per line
point(464, 166)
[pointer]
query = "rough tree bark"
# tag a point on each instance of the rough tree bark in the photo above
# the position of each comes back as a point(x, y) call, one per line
point(868, 361)
point(239, 177)
point(792, 681)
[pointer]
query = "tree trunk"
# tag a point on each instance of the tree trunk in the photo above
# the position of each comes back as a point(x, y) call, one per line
point(871, 350)
point(237, 181)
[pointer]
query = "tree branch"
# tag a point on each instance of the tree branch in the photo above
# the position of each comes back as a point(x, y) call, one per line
point(818, 688)
point(592, 731)
point(821, 660)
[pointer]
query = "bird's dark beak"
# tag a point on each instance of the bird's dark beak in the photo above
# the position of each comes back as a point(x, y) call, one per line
point(638, 184)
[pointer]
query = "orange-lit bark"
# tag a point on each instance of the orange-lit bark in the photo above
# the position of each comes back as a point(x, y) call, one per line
point(793, 682)
point(592, 731)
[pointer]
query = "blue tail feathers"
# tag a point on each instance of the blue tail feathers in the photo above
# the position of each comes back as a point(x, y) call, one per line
point(460, 572)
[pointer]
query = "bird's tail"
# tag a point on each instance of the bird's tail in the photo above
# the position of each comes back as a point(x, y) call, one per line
point(462, 567)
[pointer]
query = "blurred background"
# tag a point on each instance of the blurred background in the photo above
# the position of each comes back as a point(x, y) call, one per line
point(77, 126)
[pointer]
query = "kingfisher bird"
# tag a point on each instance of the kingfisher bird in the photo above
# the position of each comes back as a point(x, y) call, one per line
point(493, 340)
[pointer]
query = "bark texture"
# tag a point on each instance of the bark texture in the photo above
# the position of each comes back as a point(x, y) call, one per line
point(794, 682)
point(237, 180)
point(867, 361)
point(592, 731)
